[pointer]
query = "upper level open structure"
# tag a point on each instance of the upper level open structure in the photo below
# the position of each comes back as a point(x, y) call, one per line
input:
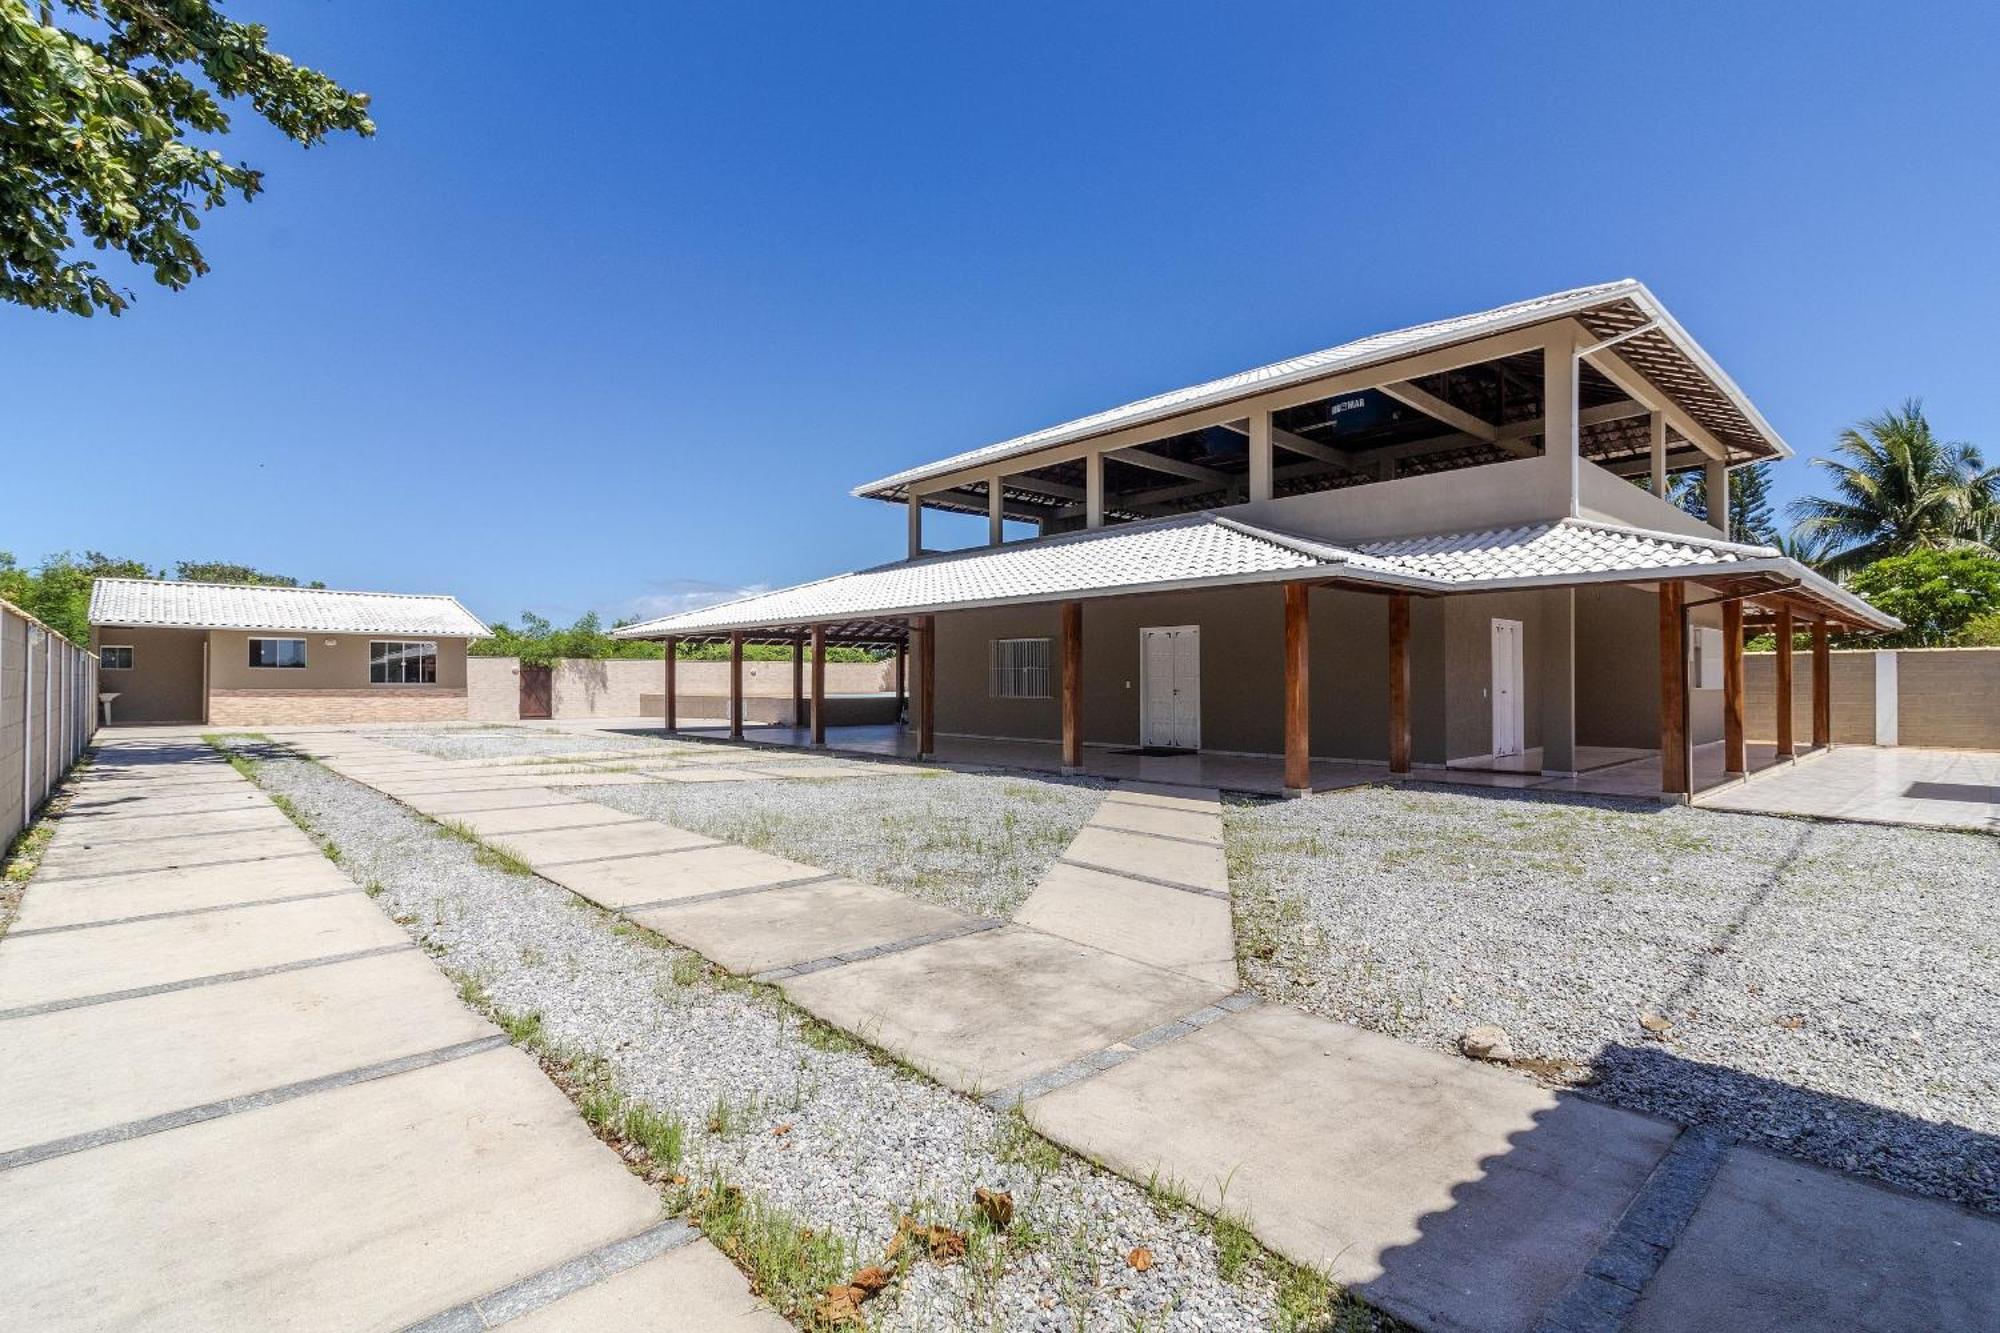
point(1543, 409)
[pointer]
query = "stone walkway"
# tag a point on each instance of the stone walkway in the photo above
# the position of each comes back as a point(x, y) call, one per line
point(1456, 1196)
point(237, 1096)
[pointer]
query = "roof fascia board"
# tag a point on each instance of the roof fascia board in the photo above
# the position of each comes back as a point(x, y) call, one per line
point(1450, 353)
point(1644, 298)
point(1809, 582)
point(206, 625)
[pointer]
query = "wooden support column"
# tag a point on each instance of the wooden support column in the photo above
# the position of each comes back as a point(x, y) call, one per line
point(1735, 755)
point(1559, 423)
point(1822, 696)
point(799, 680)
point(1656, 437)
point(1676, 779)
point(902, 675)
point(914, 521)
point(1298, 720)
point(1783, 629)
point(1093, 489)
point(819, 687)
point(1399, 682)
point(736, 686)
point(1072, 687)
point(927, 688)
point(673, 651)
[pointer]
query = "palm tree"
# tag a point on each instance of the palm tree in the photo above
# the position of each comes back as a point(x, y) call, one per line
point(1897, 488)
point(1810, 548)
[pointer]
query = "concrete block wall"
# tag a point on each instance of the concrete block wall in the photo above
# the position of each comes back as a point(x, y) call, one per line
point(1945, 698)
point(48, 713)
point(634, 687)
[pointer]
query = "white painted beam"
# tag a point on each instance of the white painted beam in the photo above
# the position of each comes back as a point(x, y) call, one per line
point(1260, 455)
point(1433, 406)
point(1171, 466)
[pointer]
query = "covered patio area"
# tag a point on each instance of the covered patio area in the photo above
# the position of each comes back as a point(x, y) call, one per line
point(1570, 655)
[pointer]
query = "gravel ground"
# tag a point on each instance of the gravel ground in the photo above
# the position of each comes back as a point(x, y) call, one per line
point(515, 742)
point(1833, 990)
point(866, 1141)
point(977, 842)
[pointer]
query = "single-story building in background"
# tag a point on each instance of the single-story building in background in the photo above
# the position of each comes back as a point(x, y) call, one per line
point(244, 655)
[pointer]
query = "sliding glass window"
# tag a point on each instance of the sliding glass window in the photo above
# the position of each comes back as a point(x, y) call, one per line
point(394, 662)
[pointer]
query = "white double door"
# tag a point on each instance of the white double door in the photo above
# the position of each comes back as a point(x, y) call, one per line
point(1170, 687)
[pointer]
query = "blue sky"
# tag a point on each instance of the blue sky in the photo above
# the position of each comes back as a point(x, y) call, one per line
point(619, 304)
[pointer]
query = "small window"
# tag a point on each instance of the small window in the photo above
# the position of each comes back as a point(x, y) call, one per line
point(394, 662)
point(1020, 669)
point(115, 657)
point(277, 652)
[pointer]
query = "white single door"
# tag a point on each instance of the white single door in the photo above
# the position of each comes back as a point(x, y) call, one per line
point(1509, 719)
point(1170, 667)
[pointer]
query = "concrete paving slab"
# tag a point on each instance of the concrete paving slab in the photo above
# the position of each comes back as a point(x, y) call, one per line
point(68, 902)
point(1203, 826)
point(594, 778)
point(176, 782)
point(111, 830)
point(370, 1206)
point(96, 803)
point(37, 969)
point(81, 1070)
point(709, 775)
point(506, 798)
point(648, 879)
point(990, 1010)
point(755, 932)
point(1167, 797)
point(556, 846)
point(1155, 858)
point(1184, 932)
point(691, 1289)
point(446, 786)
point(83, 854)
point(1452, 1195)
point(530, 818)
point(1779, 1245)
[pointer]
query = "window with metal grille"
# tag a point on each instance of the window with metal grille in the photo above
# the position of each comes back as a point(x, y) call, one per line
point(1020, 669)
point(115, 657)
point(395, 663)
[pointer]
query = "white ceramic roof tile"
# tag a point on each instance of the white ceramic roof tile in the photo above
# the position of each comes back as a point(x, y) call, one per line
point(1130, 557)
point(1360, 352)
point(158, 602)
point(1570, 548)
point(1206, 550)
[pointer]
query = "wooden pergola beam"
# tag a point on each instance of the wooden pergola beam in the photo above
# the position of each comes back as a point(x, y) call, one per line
point(668, 704)
point(1676, 777)
point(1822, 694)
point(819, 687)
point(1735, 755)
point(1783, 629)
point(1072, 687)
point(926, 627)
point(1399, 682)
point(1298, 660)
point(736, 686)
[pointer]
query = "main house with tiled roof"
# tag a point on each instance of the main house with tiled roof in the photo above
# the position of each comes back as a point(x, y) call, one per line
point(243, 655)
point(1450, 545)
